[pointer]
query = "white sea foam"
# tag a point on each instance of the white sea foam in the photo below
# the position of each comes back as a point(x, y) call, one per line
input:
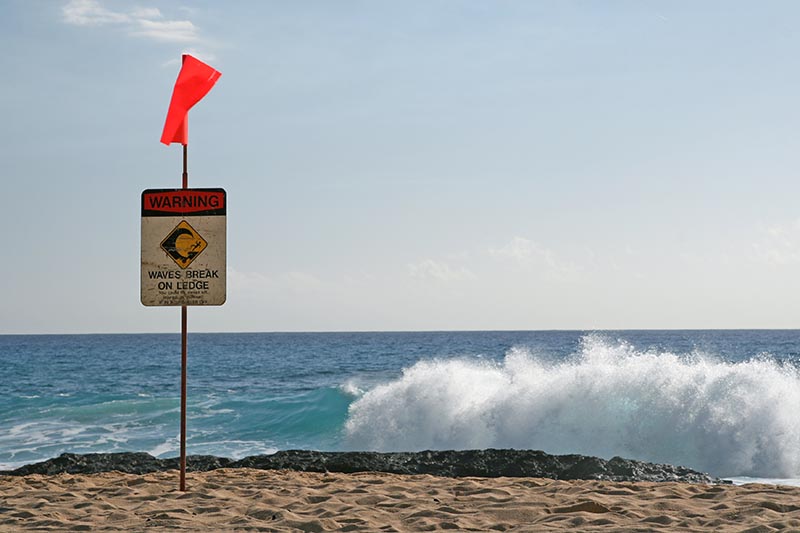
point(729, 419)
point(233, 449)
point(169, 446)
point(352, 388)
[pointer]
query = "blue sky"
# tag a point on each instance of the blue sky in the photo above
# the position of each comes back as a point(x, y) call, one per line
point(416, 165)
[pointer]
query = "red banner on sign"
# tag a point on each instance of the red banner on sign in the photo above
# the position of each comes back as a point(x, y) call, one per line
point(183, 202)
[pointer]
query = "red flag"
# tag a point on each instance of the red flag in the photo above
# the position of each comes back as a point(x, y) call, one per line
point(194, 81)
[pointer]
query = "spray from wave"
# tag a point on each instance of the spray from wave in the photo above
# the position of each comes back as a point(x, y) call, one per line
point(609, 399)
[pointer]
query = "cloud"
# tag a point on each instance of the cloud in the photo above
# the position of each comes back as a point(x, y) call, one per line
point(146, 22)
point(147, 13)
point(249, 281)
point(531, 255)
point(181, 31)
point(430, 269)
point(259, 284)
point(780, 244)
point(91, 13)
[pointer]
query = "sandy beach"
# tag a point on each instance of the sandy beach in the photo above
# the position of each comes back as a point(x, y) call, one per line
point(258, 500)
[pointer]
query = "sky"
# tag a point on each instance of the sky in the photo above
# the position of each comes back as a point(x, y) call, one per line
point(414, 165)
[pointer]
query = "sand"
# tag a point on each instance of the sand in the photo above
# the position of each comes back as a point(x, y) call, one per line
point(258, 500)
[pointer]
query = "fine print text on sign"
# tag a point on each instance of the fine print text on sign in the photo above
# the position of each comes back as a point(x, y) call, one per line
point(183, 247)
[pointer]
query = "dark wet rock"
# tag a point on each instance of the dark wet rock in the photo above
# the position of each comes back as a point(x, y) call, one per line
point(477, 463)
point(127, 462)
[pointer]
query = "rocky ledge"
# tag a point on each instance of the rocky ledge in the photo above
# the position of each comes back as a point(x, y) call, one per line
point(478, 463)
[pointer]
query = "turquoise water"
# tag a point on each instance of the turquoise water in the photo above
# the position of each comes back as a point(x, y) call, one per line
point(725, 402)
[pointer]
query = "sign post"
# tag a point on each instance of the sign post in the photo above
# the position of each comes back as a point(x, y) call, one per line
point(183, 230)
point(183, 261)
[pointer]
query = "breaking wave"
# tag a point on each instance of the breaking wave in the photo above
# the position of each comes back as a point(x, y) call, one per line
point(696, 410)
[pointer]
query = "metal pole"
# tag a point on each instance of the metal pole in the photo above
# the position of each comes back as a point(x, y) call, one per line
point(183, 359)
point(185, 171)
point(183, 398)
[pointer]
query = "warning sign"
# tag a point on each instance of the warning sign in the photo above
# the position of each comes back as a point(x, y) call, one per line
point(183, 247)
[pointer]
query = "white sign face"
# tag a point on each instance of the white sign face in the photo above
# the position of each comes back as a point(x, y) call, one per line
point(183, 247)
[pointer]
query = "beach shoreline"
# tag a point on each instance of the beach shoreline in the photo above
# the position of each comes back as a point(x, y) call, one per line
point(283, 500)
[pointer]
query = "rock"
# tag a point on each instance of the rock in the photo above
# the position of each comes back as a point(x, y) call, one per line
point(477, 463)
point(127, 462)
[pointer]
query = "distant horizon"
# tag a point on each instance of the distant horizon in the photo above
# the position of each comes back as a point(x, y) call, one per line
point(177, 332)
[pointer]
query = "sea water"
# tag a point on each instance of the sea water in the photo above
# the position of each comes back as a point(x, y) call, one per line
point(723, 402)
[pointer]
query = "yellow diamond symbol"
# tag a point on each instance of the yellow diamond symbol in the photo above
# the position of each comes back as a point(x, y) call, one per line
point(183, 244)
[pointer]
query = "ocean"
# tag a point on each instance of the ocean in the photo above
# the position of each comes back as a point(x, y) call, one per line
point(724, 402)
